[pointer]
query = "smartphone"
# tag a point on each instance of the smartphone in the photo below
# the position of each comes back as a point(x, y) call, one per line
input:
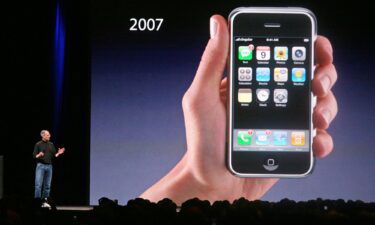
point(270, 102)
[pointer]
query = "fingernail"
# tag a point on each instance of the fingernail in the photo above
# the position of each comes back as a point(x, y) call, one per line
point(329, 48)
point(326, 115)
point(326, 83)
point(213, 27)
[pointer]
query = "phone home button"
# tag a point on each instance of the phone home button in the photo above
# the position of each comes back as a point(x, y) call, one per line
point(270, 164)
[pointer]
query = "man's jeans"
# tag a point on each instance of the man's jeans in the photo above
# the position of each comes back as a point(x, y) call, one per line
point(43, 178)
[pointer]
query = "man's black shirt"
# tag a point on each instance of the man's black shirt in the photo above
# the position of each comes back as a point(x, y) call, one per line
point(47, 148)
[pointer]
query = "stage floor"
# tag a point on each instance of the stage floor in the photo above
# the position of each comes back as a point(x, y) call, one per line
point(75, 208)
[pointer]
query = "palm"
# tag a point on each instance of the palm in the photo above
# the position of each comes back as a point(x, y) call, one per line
point(61, 150)
point(246, 187)
point(210, 159)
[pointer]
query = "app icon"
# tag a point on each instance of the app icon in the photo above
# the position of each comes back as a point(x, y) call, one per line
point(244, 137)
point(263, 95)
point(280, 138)
point(244, 95)
point(245, 52)
point(280, 96)
point(263, 74)
point(298, 75)
point(263, 53)
point(299, 53)
point(298, 138)
point(281, 53)
point(280, 74)
point(262, 137)
point(245, 74)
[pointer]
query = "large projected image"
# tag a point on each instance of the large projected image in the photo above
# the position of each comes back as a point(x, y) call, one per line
point(140, 71)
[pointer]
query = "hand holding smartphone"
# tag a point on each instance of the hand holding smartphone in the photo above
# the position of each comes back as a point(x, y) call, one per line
point(211, 99)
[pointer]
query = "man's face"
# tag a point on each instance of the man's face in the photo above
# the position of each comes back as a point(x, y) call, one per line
point(46, 136)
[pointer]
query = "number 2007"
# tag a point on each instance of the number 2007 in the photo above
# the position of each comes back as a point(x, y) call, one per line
point(146, 24)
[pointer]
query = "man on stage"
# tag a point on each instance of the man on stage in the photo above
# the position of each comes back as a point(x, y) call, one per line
point(44, 152)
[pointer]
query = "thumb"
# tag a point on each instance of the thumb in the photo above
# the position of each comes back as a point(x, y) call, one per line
point(214, 58)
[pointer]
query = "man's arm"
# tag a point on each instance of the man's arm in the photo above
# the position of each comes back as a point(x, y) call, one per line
point(36, 153)
point(53, 149)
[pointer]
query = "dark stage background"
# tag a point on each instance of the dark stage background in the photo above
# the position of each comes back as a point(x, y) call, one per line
point(143, 66)
point(28, 96)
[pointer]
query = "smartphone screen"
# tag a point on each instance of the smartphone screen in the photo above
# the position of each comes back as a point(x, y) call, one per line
point(271, 67)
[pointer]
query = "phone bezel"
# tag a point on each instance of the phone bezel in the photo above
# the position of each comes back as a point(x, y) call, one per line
point(263, 10)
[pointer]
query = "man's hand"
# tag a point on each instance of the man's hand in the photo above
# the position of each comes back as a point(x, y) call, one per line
point(60, 151)
point(202, 171)
point(40, 154)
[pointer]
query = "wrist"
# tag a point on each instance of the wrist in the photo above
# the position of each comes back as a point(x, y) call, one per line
point(179, 185)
